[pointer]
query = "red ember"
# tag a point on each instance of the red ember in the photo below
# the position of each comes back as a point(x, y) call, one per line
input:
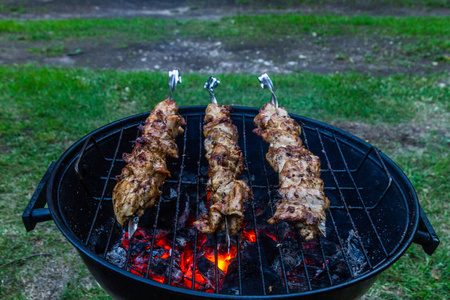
point(224, 258)
point(249, 235)
point(139, 259)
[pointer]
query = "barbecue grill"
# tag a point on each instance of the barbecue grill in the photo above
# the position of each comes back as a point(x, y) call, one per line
point(373, 218)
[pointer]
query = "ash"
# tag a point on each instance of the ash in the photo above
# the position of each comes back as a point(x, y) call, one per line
point(117, 256)
point(354, 255)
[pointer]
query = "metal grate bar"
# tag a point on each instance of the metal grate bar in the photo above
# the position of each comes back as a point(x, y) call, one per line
point(324, 260)
point(331, 135)
point(177, 212)
point(127, 260)
point(104, 189)
point(253, 210)
point(283, 269)
point(193, 182)
point(331, 215)
point(238, 249)
point(77, 163)
point(152, 244)
point(113, 227)
point(343, 200)
point(363, 160)
point(361, 200)
point(305, 138)
point(302, 253)
point(341, 244)
point(260, 187)
point(336, 171)
point(366, 156)
point(216, 263)
point(200, 150)
point(377, 153)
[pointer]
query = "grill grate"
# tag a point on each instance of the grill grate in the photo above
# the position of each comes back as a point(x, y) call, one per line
point(355, 202)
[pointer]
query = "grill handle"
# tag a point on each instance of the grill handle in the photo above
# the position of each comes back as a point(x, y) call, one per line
point(425, 235)
point(35, 212)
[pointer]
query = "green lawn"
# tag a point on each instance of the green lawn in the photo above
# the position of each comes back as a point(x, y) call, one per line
point(44, 110)
point(394, 3)
point(417, 37)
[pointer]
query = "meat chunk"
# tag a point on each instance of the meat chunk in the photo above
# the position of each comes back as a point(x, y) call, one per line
point(226, 163)
point(139, 184)
point(303, 200)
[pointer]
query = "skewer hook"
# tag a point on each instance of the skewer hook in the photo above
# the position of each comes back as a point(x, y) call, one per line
point(210, 85)
point(174, 79)
point(265, 81)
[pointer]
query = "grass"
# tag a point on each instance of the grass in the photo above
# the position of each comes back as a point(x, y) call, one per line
point(45, 110)
point(407, 3)
point(417, 36)
point(247, 26)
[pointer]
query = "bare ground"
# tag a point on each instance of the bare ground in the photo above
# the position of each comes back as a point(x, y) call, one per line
point(313, 53)
point(385, 137)
point(200, 9)
point(322, 55)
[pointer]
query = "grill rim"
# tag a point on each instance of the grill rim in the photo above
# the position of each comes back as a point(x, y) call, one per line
point(72, 153)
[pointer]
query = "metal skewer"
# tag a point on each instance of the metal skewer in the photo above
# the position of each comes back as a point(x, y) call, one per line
point(132, 226)
point(265, 81)
point(322, 228)
point(210, 84)
point(227, 235)
point(174, 79)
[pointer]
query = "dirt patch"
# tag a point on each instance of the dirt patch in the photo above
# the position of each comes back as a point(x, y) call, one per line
point(313, 53)
point(398, 137)
point(200, 9)
point(317, 54)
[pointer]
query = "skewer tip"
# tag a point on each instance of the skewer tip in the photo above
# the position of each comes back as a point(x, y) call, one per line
point(132, 226)
point(322, 229)
point(227, 234)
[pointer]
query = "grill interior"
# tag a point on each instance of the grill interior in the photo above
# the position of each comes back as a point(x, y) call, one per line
point(267, 259)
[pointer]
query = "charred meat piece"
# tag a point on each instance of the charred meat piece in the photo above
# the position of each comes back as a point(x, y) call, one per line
point(303, 200)
point(226, 163)
point(139, 185)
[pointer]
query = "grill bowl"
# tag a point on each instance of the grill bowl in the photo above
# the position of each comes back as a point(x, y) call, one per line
point(369, 195)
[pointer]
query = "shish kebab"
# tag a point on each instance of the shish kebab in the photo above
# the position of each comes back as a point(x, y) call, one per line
point(226, 163)
point(303, 200)
point(139, 185)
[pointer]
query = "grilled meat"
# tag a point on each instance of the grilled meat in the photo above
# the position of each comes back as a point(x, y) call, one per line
point(302, 191)
point(140, 182)
point(226, 163)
